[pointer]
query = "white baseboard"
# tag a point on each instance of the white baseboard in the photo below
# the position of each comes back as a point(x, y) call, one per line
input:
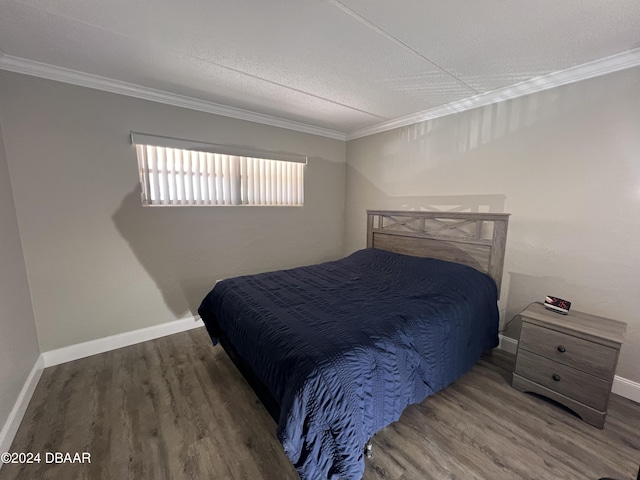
point(621, 386)
point(626, 388)
point(507, 344)
point(10, 428)
point(101, 345)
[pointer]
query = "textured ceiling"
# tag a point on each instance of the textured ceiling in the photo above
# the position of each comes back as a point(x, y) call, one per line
point(337, 64)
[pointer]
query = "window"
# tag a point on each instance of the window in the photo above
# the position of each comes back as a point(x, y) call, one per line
point(177, 172)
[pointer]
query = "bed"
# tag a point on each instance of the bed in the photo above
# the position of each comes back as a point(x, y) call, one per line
point(336, 351)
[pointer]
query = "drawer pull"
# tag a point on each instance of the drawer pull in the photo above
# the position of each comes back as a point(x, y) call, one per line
point(556, 377)
point(561, 349)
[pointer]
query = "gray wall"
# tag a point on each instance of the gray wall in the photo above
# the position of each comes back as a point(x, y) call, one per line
point(565, 163)
point(18, 339)
point(100, 264)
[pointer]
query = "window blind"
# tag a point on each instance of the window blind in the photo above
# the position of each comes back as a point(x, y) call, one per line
point(175, 176)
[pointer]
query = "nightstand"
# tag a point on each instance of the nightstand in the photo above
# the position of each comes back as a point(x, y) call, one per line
point(569, 358)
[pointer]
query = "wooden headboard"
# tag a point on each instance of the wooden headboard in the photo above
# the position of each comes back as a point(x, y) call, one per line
point(474, 239)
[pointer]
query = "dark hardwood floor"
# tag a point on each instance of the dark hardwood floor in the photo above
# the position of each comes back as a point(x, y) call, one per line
point(176, 408)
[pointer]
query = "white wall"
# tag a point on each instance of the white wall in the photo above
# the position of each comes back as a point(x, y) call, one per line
point(18, 339)
point(100, 264)
point(565, 163)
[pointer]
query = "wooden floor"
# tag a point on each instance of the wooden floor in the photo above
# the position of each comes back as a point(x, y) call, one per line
point(176, 408)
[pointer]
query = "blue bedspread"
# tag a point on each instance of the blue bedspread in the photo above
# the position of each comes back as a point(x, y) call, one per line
point(345, 346)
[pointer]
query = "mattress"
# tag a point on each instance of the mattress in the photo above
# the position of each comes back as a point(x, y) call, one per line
point(345, 346)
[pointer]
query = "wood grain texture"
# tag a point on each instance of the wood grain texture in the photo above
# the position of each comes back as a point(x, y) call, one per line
point(474, 239)
point(593, 358)
point(567, 381)
point(584, 325)
point(586, 365)
point(176, 408)
point(588, 414)
point(475, 256)
point(498, 247)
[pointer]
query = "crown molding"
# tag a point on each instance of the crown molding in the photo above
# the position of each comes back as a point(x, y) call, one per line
point(585, 71)
point(74, 77)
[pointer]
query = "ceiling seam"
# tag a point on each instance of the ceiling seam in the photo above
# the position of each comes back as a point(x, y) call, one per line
point(368, 23)
point(334, 102)
point(595, 68)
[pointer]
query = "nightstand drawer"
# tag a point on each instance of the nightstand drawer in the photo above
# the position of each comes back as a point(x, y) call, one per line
point(580, 386)
point(589, 357)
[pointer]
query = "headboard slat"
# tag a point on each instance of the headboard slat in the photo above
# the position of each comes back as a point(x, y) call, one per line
point(474, 239)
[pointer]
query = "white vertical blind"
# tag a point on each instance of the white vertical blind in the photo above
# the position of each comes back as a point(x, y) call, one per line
point(172, 176)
